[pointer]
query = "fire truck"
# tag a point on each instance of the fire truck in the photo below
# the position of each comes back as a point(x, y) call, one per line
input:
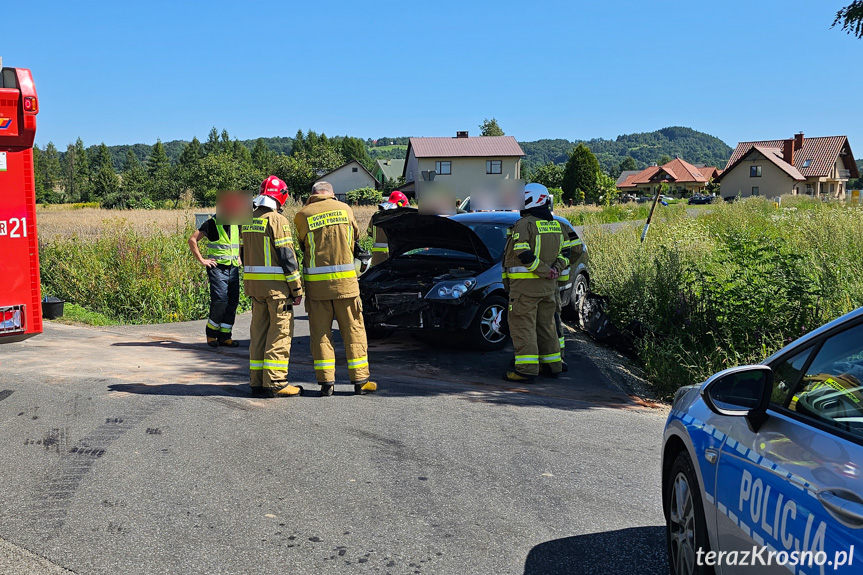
point(20, 299)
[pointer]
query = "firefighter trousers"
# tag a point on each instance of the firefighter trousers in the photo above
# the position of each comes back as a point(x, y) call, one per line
point(224, 298)
point(558, 323)
point(534, 333)
point(270, 346)
point(348, 313)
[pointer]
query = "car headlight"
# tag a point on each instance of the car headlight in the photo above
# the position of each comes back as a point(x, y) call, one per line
point(451, 289)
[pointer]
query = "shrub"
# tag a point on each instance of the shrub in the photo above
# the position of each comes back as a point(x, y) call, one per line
point(128, 276)
point(364, 197)
point(729, 286)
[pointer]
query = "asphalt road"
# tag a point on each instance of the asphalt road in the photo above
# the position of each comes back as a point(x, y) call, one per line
point(138, 451)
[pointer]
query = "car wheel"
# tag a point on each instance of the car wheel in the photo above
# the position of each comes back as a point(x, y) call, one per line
point(579, 290)
point(481, 332)
point(686, 526)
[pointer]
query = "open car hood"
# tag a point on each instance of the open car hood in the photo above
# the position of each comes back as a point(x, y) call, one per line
point(407, 230)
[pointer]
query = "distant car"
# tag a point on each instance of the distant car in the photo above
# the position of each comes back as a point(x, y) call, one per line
point(444, 274)
point(700, 200)
point(770, 457)
point(644, 199)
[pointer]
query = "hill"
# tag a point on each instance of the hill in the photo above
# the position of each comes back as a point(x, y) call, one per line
point(645, 148)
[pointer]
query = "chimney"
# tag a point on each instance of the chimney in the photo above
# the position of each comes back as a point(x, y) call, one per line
point(788, 151)
point(461, 134)
point(798, 141)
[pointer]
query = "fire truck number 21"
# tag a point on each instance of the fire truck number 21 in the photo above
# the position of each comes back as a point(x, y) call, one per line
point(14, 228)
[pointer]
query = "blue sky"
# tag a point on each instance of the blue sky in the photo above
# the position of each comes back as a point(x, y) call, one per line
point(126, 72)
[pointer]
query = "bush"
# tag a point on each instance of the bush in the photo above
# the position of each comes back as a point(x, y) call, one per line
point(128, 276)
point(364, 197)
point(729, 286)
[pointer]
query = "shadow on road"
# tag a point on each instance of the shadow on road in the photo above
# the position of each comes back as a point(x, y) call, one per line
point(635, 550)
point(183, 389)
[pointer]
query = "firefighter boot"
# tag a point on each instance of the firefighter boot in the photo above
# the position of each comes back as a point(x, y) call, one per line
point(516, 377)
point(229, 343)
point(326, 389)
point(212, 341)
point(365, 387)
point(286, 391)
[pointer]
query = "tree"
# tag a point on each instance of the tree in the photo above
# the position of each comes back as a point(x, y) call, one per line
point(134, 189)
point(628, 164)
point(851, 18)
point(580, 173)
point(191, 153)
point(607, 188)
point(213, 145)
point(549, 175)
point(490, 128)
point(355, 149)
point(52, 173)
point(76, 172)
point(158, 167)
point(664, 159)
point(262, 156)
point(105, 181)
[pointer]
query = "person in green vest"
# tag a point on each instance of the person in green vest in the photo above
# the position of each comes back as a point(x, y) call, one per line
point(222, 260)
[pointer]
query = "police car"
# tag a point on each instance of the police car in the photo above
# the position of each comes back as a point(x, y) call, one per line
point(762, 465)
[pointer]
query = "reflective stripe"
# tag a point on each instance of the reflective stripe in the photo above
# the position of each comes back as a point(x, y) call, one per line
point(264, 273)
point(329, 269)
point(212, 325)
point(281, 242)
point(321, 364)
point(562, 343)
point(533, 265)
point(256, 364)
point(550, 358)
point(358, 362)
point(223, 246)
point(268, 257)
point(324, 277)
point(520, 273)
point(521, 246)
point(225, 328)
point(380, 247)
point(311, 238)
point(293, 277)
point(521, 359)
point(380, 244)
point(379, 250)
point(274, 365)
point(321, 273)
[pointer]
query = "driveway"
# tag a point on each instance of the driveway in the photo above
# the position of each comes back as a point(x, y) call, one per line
point(137, 450)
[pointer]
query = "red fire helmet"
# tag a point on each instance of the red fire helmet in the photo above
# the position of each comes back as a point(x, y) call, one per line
point(398, 199)
point(275, 188)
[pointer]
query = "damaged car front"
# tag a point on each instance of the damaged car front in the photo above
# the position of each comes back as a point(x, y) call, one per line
point(441, 275)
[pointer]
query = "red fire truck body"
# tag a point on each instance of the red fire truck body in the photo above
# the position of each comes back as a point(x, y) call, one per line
point(20, 299)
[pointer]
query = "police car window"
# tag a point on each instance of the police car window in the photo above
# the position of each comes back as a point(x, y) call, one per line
point(786, 376)
point(831, 392)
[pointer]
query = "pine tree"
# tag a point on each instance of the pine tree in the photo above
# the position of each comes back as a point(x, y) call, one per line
point(212, 146)
point(38, 175)
point(262, 156)
point(80, 172)
point(105, 182)
point(580, 173)
point(355, 149)
point(52, 172)
point(158, 161)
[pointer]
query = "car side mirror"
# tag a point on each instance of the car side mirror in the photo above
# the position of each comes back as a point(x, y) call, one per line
point(742, 391)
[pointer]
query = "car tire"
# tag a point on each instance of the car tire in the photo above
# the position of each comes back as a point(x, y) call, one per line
point(580, 289)
point(480, 335)
point(686, 525)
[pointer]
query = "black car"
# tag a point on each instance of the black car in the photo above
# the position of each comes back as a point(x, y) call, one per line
point(700, 200)
point(444, 274)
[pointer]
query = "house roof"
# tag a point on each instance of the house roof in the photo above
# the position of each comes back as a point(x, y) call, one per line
point(774, 155)
point(475, 147)
point(392, 169)
point(677, 170)
point(821, 151)
point(362, 167)
point(624, 175)
point(709, 171)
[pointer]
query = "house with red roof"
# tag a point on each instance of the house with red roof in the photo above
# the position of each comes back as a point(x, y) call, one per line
point(465, 163)
point(683, 179)
point(819, 167)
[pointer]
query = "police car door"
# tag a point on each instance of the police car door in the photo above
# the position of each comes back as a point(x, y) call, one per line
point(795, 485)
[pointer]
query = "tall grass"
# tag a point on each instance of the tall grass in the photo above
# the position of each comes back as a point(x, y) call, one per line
point(130, 266)
point(730, 285)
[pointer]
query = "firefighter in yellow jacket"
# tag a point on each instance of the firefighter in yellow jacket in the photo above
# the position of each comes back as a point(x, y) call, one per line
point(380, 247)
point(327, 231)
point(272, 281)
point(532, 263)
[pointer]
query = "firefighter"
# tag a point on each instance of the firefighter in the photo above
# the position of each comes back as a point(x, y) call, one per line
point(562, 281)
point(380, 248)
point(223, 272)
point(327, 231)
point(532, 263)
point(272, 281)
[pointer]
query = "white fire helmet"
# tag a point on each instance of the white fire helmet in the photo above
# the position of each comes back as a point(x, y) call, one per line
point(535, 196)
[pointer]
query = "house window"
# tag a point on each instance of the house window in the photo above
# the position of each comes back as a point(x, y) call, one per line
point(354, 169)
point(443, 168)
point(754, 171)
point(809, 189)
point(807, 163)
point(493, 167)
point(754, 190)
